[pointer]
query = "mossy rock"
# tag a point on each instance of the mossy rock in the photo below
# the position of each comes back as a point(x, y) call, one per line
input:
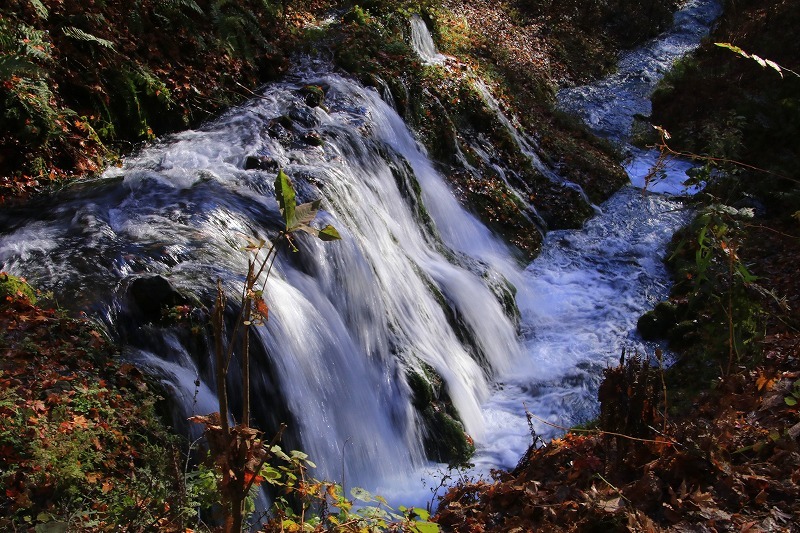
point(657, 324)
point(445, 440)
point(312, 138)
point(421, 389)
point(12, 287)
point(683, 334)
point(314, 95)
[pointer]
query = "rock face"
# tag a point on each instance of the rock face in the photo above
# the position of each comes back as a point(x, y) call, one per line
point(151, 294)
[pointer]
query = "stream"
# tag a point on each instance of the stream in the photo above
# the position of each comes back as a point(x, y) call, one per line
point(416, 283)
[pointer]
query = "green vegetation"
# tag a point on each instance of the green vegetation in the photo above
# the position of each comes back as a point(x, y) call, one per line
point(82, 83)
point(81, 444)
point(736, 113)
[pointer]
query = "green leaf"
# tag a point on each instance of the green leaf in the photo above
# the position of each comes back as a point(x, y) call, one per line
point(280, 453)
point(287, 199)
point(39, 7)
point(296, 454)
point(307, 229)
point(791, 401)
point(422, 513)
point(361, 494)
point(79, 34)
point(329, 233)
point(426, 527)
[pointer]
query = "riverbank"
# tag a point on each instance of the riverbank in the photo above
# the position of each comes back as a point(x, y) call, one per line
point(712, 443)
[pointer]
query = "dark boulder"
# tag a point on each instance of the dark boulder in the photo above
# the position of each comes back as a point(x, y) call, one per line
point(260, 162)
point(152, 294)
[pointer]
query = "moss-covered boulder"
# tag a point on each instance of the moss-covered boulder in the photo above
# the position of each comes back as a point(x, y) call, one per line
point(656, 324)
point(12, 287)
point(444, 438)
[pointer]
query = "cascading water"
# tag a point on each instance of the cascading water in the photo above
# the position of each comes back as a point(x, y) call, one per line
point(587, 289)
point(609, 106)
point(423, 43)
point(348, 320)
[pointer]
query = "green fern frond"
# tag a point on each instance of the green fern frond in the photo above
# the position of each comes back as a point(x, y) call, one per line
point(178, 4)
point(18, 66)
point(79, 34)
point(40, 8)
point(153, 86)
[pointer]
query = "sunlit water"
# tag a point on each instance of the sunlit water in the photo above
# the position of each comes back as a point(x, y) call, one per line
point(587, 289)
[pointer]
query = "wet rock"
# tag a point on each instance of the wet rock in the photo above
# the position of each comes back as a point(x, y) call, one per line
point(313, 138)
point(152, 294)
point(656, 324)
point(683, 334)
point(304, 116)
point(445, 440)
point(421, 389)
point(314, 95)
point(260, 162)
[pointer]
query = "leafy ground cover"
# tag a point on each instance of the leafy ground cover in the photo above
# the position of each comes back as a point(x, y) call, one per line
point(81, 445)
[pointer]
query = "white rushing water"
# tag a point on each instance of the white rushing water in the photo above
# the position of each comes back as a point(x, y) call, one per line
point(587, 289)
point(422, 42)
point(348, 320)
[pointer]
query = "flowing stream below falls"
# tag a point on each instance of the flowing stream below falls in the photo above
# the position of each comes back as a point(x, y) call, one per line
point(416, 283)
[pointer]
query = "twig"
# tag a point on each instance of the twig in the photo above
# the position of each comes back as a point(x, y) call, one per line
point(264, 459)
point(664, 147)
point(607, 482)
point(602, 432)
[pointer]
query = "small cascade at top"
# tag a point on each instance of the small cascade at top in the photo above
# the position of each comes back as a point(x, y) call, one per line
point(422, 42)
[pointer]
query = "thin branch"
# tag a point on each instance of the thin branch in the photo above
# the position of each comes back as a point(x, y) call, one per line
point(664, 147)
point(602, 432)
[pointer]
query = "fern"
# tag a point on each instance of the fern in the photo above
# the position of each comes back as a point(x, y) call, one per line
point(40, 8)
point(13, 65)
point(152, 85)
point(179, 4)
point(23, 49)
point(237, 28)
point(79, 34)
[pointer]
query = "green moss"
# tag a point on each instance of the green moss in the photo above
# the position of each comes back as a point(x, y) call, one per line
point(421, 388)
point(12, 287)
point(445, 440)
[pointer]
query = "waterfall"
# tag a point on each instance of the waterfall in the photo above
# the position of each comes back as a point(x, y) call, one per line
point(422, 42)
point(415, 282)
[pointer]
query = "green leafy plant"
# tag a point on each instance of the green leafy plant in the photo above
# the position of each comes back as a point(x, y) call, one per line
point(238, 451)
point(716, 280)
point(793, 397)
